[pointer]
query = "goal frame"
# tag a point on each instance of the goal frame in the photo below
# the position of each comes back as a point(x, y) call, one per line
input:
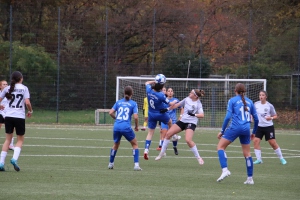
point(217, 93)
point(185, 79)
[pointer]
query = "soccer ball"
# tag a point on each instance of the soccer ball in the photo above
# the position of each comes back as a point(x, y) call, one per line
point(160, 79)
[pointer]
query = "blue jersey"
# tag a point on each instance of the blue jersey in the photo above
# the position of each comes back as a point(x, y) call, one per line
point(239, 117)
point(156, 100)
point(124, 110)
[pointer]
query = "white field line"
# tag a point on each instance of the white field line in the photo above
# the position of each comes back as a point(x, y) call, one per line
point(178, 157)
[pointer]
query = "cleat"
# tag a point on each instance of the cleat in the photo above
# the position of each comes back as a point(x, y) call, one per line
point(224, 175)
point(15, 164)
point(160, 155)
point(143, 129)
point(2, 167)
point(137, 168)
point(11, 147)
point(158, 148)
point(111, 166)
point(249, 181)
point(200, 160)
point(146, 156)
point(257, 162)
point(175, 150)
point(283, 161)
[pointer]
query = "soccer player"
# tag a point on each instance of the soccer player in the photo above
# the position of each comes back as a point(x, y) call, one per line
point(145, 113)
point(266, 114)
point(5, 102)
point(173, 116)
point(156, 101)
point(188, 122)
point(124, 109)
point(239, 110)
point(18, 95)
point(162, 134)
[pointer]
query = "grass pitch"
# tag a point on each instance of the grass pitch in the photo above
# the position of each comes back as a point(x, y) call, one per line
point(70, 162)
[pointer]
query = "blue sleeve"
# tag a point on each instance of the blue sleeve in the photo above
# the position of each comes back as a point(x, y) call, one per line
point(226, 120)
point(256, 120)
point(135, 108)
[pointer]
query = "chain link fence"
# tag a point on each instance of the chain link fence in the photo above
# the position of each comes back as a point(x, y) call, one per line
point(70, 53)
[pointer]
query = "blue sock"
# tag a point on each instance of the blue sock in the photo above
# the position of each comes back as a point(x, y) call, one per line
point(147, 144)
point(175, 143)
point(249, 165)
point(112, 155)
point(222, 158)
point(135, 153)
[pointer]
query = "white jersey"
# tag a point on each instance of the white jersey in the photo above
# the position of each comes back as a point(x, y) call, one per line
point(4, 103)
point(191, 106)
point(264, 110)
point(16, 106)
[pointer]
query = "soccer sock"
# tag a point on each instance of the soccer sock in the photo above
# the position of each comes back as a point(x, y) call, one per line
point(17, 152)
point(165, 145)
point(195, 151)
point(278, 152)
point(12, 142)
point(3, 156)
point(136, 154)
point(145, 124)
point(222, 158)
point(147, 144)
point(249, 165)
point(160, 143)
point(112, 155)
point(257, 154)
point(175, 143)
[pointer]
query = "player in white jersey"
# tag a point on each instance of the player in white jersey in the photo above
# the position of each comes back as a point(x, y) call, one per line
point(18, 96)
point(4, 102)
point(188, 122)
point(266, 114)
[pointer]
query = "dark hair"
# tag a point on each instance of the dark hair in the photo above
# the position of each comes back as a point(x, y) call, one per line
point(264, 92)
point(241, 89)
point(15, 78)
point(199, 93)
point(158, 87)
point(128, 91)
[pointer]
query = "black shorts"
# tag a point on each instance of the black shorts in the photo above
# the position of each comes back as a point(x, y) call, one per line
point(268, 132)
point(17, 123)
point(1, 119)
point(185, 126)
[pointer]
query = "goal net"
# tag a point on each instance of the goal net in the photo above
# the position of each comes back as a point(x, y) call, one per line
point(217, 93)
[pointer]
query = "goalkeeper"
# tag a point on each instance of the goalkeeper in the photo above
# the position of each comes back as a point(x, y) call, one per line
point(145, 113)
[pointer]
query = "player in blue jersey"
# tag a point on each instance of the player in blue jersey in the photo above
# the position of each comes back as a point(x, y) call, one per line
point(239, 110)
point(173, 115)
point(157, 101)
point(124, 109)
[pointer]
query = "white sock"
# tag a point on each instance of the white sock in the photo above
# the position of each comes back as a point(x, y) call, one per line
point(195, 151)
point(278, 152)
point(12, 142)
point(136, 164)
point(3, 156)
point(224, 169)
point(257, 154)
point(165, 146)
point(160, 141)
point(17, 152)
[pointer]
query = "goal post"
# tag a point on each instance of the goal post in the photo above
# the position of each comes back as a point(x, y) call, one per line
point(217, 93)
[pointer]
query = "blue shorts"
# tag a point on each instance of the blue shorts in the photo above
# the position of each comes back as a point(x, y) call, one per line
point(243, 132)
point(128, 133)
point(153, 118)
